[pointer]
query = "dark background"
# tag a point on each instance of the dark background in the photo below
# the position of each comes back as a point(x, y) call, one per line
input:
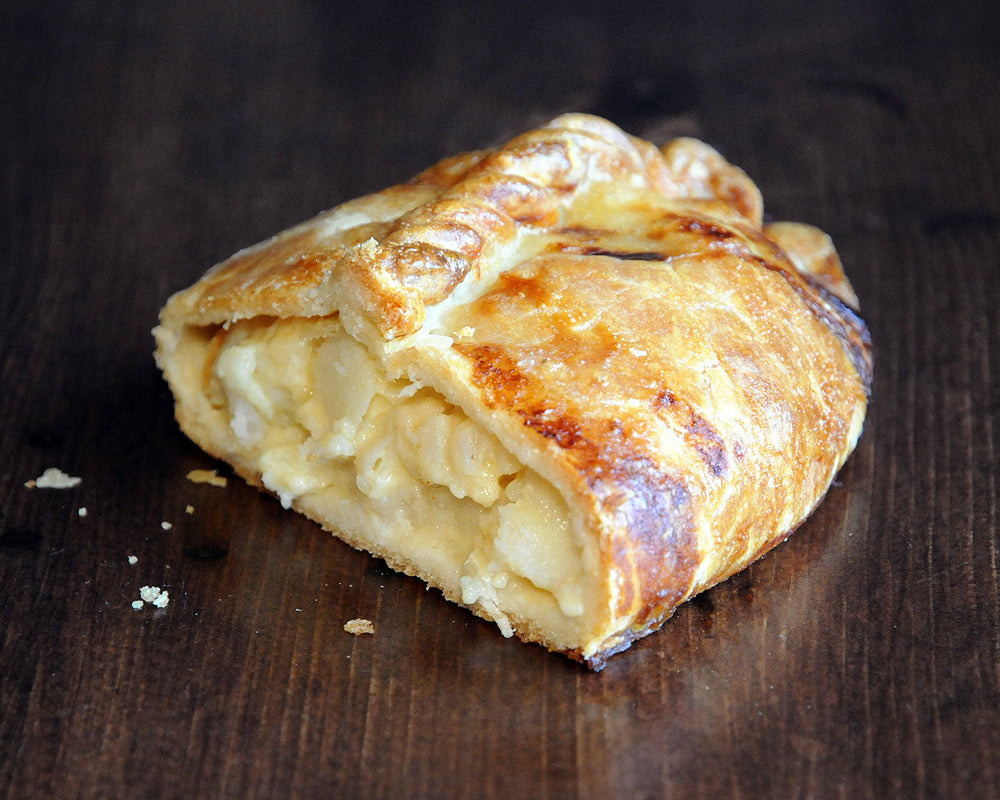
point(142, 141)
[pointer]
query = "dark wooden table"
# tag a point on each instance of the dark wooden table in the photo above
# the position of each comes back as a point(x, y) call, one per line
point(143, 141)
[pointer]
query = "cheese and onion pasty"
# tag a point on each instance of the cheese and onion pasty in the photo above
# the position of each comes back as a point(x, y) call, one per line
point(570, 382)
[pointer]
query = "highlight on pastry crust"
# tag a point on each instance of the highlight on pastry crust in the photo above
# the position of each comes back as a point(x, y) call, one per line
point(570, 382)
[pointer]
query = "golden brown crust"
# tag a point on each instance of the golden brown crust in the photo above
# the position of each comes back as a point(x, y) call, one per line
point(651, 382)
point(690, 380)
point(813, 253)
point(484, 203)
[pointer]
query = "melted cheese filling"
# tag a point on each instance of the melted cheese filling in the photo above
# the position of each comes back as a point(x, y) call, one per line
point(403, 472)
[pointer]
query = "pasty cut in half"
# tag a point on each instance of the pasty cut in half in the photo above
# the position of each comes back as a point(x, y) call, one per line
point(570, 382)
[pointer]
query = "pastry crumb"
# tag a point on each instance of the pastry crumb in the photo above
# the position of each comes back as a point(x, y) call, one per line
point(188, 509)
point(166, 525)
point(82, 511)
point(53, 478)
point(154, 596)
point(359, 626)
point(149, 593)
point(208, 476)
point(133, 560)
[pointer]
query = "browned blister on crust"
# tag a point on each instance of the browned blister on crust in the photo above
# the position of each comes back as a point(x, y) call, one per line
point(591, 382)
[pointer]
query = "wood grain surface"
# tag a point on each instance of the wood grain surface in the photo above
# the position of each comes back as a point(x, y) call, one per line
point(143, 141)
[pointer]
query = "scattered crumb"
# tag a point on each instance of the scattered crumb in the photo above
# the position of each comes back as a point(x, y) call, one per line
point(153, 596)
point(53, 478)
point(465, 333)
point(133, 560)
point(82, 511)
point(359, 626)
point(189, 509)
point(149, 593)
point(208, 476)
point(166, 526)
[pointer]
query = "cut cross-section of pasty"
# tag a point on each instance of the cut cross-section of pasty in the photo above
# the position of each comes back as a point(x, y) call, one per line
point(570, 382)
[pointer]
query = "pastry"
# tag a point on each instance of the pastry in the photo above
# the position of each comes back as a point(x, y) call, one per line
point(571, 381)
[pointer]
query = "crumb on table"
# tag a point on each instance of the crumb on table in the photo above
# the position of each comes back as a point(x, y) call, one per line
point(359, 626)
point(208, 476)
point(152, 595)
point(53, 478)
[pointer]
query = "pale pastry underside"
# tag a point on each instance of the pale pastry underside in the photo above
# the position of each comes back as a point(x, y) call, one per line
point(570, 382)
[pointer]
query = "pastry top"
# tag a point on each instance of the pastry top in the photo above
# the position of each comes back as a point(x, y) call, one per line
point(393, 254)
point(617, 314)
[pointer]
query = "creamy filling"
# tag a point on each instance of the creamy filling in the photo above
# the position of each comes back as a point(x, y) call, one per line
point(403, 470)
